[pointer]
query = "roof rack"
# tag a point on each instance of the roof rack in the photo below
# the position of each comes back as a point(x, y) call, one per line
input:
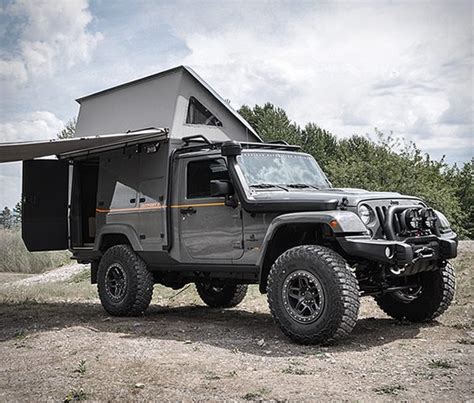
point(206, 144)
point(272, 146)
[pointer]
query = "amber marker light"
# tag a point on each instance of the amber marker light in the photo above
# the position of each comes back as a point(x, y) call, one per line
point(333, 224)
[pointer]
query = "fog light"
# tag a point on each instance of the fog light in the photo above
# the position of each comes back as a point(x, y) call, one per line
point(429, 218)
point(412, 218)
point(388, 252)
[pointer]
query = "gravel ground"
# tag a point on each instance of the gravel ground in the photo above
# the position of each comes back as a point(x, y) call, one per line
point(182, 350)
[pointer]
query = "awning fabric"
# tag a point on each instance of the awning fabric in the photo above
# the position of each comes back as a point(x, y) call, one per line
point(28, 150)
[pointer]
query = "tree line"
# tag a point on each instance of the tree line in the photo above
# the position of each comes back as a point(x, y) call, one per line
point(383, 164)
point(10, 219)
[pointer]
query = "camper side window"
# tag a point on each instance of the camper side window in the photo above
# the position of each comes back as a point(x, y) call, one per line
point(200, 174)
point(198, 114)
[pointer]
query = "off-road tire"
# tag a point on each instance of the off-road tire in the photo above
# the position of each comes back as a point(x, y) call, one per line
point(338, 314)
point(437, 293)
point(139, 282)
point(227, 296)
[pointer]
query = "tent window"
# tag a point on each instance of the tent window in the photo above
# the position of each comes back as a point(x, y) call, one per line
point(198, 114)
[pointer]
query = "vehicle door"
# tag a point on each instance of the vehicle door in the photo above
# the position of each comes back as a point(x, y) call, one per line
point(209, 230)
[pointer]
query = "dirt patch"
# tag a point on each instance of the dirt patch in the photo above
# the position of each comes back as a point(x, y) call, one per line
point(63, 273)
point(182, 350)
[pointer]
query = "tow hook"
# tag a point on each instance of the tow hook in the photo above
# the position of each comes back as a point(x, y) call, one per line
point(397, 270)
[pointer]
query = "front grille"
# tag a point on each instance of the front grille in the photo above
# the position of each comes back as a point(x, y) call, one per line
point(382, 216)
point(396, 228)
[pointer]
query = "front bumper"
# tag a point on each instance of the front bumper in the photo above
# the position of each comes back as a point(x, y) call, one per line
point(401, 253)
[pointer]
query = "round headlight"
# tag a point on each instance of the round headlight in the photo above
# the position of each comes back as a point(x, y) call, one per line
point(365, 214)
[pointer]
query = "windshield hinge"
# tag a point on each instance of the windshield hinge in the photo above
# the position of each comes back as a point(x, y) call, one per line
point(344, 203)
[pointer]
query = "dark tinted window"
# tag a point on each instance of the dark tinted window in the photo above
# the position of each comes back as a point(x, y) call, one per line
point(198, 114)
point(200, 174)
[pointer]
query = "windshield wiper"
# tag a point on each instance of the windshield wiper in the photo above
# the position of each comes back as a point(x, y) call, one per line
point(301, 186)
point(268, 186)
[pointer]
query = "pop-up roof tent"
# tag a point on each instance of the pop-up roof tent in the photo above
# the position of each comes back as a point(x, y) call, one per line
point(176, 102)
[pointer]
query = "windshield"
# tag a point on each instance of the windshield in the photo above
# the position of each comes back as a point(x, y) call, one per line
point(267, 169)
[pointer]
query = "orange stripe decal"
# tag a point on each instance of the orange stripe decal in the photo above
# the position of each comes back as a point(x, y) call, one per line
point(198, 205)
point(157, 207)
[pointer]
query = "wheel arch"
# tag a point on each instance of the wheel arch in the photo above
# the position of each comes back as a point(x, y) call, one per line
point(294, 229)
point(115, 234)
point(111, 235)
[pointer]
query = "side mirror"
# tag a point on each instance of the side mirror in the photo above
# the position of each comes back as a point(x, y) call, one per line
point(221, 188)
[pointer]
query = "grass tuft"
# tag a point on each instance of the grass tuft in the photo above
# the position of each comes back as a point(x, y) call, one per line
point(81, 367)
point(443, 364)
point(294, 371)
point(257, 395)
point(390, 389)
point(75, 395)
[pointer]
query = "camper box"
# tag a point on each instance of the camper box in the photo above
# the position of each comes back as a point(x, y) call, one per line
point(118, 161)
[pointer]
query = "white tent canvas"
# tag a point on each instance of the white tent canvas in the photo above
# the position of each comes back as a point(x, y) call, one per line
point(177, 99)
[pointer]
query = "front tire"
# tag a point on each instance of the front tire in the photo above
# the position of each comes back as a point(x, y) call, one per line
point(427, 301)
point(313, 295)
point(125, 285)
point(221, 296)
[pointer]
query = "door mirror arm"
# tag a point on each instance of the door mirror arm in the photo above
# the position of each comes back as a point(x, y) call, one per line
point(224, 188)
point(231, 201)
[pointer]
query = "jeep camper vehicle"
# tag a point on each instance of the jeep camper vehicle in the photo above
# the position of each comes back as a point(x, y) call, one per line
point(165, 183)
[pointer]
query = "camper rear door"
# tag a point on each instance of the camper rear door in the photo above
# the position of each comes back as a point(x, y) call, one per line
point(44, 205)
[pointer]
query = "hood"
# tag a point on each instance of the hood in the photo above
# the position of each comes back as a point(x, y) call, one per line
point(352, 196)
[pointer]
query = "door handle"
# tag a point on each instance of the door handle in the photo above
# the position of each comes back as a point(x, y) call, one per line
point(188, 210)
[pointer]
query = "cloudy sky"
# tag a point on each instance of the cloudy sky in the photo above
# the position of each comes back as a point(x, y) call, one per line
point(349, 66)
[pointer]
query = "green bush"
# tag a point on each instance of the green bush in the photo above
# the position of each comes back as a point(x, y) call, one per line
point(14, 257)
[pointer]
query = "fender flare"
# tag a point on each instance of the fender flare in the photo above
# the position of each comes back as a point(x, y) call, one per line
point(346, 223)
point(119, 229)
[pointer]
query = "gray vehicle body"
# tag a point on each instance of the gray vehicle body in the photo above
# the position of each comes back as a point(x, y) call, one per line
point(137, 192)
point(142, 199)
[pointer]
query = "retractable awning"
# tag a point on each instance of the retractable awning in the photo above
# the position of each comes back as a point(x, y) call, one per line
point(21, 151)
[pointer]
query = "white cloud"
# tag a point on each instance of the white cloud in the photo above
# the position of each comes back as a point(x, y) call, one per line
point(10, 184)
point(34, 126)
point(54, 36)
point(14, 70)
point(350, 67)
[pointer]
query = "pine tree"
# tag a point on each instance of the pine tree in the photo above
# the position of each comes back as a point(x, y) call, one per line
point(69, 130)
point(6, 218)
point(17, 214)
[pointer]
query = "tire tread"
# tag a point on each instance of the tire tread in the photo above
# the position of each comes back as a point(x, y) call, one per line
point(348, 286)
point(141, 284)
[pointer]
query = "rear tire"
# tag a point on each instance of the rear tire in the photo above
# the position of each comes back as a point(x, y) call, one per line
point(125, 285)
point(226, 296)
point(435, 294)
point(313, 295)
